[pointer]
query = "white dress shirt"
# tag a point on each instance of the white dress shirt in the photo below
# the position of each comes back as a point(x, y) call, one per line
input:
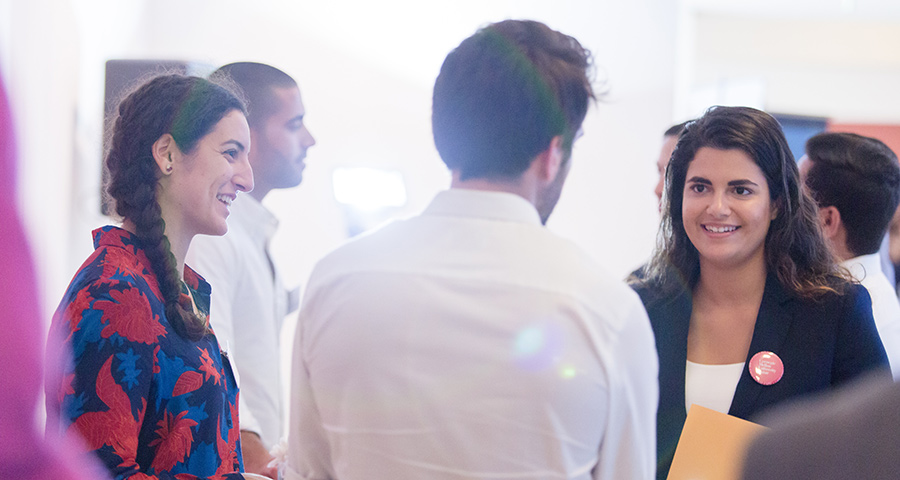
point(248, 308)
point(885, 305)
point(470, 342)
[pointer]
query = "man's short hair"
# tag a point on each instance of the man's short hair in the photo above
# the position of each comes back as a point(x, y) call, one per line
point(675, 130)
point(860, 177)
point(504, 93)
point(257, 81)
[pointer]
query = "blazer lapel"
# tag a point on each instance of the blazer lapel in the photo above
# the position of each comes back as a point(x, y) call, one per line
point(671, 318)
point(772, 325)
point(674, 353)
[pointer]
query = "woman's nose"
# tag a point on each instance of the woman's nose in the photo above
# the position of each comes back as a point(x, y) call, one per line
point(243, 176)
point(718, 206)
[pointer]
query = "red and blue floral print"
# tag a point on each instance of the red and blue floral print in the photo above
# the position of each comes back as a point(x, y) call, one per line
point(148, 402)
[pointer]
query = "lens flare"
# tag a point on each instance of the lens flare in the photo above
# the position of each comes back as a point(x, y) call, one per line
point(538, 347)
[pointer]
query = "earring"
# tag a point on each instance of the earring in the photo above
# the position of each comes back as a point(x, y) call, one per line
point(168, 169)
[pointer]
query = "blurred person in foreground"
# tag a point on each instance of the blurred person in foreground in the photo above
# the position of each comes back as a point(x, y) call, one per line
point(850, 434)
point(469, 341)
point(147, 387)
point(25, 452)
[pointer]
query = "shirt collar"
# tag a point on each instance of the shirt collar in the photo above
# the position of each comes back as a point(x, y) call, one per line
point(116, 237)
point(487, 205)
point(259, 223)
point(859, 266)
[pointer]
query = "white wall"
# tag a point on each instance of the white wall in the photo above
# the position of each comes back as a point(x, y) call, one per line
point(366, 71)
point(828, 58)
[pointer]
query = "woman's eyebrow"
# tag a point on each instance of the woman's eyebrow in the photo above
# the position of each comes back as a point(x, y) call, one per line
point(236, 143)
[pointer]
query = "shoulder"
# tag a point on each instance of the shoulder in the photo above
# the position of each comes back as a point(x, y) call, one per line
point(845, 297)
point(103, 303)
point(118, 272)
point(112, 268)
point(655, 294)
point(573, 272)
point(648, 291)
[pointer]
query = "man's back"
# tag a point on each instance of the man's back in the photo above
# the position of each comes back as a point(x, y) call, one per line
point(470, 341)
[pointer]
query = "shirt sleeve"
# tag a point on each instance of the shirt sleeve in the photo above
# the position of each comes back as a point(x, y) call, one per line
point(628, 447)
point(308, 454)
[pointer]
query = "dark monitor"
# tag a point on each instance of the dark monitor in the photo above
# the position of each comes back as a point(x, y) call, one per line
point(798, 129)
point(123, 76)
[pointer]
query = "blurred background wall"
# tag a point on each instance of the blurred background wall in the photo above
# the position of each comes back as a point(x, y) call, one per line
point(366, 70)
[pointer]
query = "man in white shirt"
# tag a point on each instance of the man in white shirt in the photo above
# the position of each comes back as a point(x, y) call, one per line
point(469, 341)
point(670, 139)
point(856, 182)
point(249, 302)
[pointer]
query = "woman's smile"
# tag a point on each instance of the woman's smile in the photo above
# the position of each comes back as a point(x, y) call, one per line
point(726, 207)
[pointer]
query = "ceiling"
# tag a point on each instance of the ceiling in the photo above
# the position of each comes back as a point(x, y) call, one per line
point(809, 9)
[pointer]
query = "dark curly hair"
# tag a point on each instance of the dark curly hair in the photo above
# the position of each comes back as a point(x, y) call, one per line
point(188, 108)
point(795, 249)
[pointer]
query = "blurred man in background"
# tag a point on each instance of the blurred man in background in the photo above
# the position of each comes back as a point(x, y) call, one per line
point(249, 302)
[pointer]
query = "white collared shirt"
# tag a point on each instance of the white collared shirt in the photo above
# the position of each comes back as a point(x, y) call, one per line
point(470, 342)
point(885, 305)
point(248, 308)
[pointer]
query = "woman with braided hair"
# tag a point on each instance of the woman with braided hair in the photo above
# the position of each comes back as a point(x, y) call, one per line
point(149, 390)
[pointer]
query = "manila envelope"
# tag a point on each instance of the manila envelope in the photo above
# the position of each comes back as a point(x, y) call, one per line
point(712, 446)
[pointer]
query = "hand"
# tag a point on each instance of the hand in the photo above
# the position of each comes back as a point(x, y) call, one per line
point(256, 457)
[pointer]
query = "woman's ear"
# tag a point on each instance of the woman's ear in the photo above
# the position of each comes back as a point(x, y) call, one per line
point(163, 149)
point(776, 208)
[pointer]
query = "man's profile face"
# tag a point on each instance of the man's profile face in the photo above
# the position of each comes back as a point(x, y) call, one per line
point(280, 142)
point(665, 154)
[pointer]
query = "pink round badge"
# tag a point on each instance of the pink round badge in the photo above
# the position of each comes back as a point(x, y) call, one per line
point(766, 368)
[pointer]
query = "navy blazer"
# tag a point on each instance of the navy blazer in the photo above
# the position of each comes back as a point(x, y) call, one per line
point(822, 343)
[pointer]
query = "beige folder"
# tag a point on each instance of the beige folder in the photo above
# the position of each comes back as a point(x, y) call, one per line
point(712, 446)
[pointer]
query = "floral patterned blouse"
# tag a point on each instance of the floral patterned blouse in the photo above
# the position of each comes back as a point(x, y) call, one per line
point(148, 402)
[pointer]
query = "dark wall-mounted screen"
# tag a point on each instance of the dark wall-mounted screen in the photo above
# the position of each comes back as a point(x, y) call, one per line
point(798, 129)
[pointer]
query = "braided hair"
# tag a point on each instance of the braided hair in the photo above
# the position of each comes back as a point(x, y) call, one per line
point(188, 108)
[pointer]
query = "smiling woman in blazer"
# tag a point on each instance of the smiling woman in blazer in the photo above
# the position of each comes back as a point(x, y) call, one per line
point(747, 304)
